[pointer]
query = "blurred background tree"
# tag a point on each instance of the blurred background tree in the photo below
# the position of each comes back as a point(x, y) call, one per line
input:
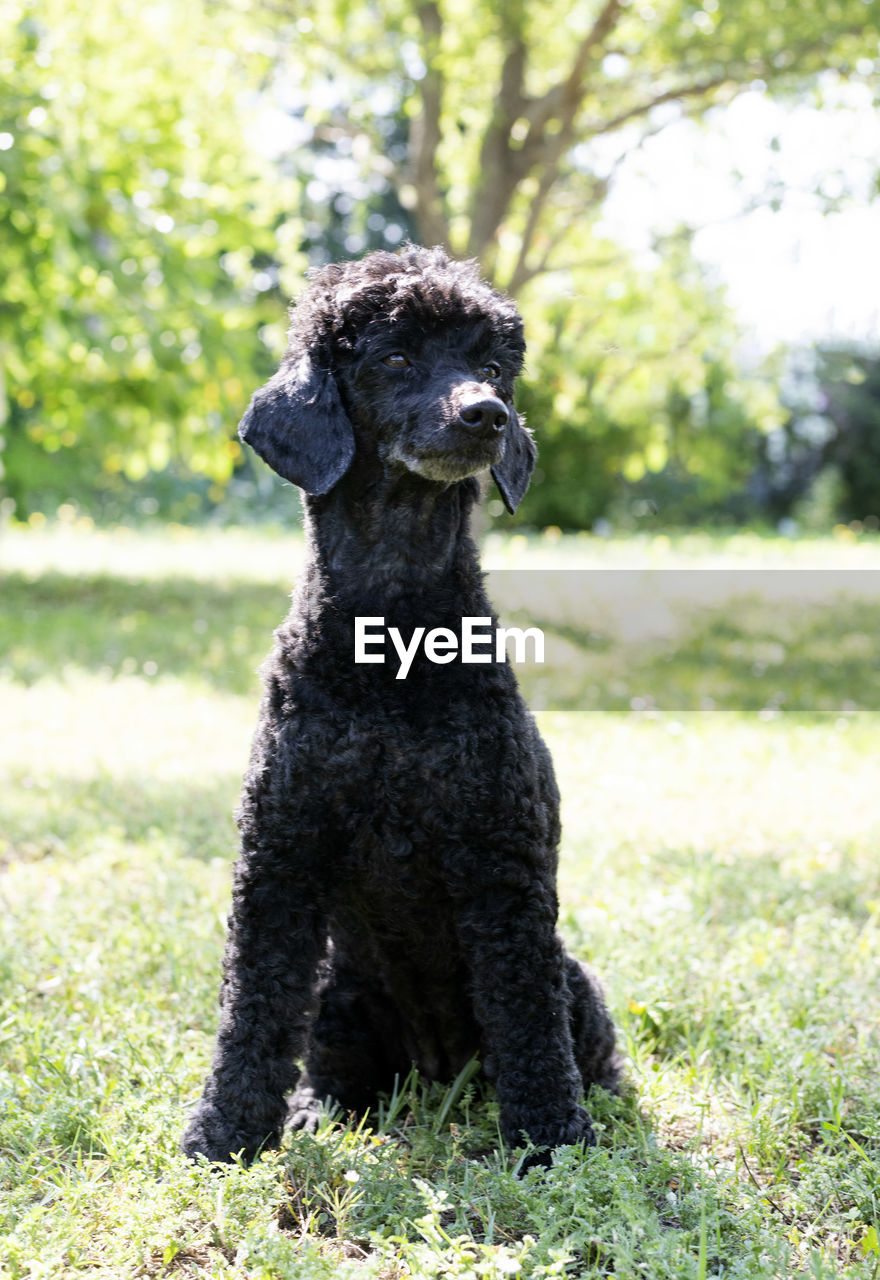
point(504, 103)
point(169, 170)
point(141, 241)
point(823, 462)
point(850, 382)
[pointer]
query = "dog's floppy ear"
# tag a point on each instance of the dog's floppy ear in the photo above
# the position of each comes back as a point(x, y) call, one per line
point(297, 424)
point(513, 472)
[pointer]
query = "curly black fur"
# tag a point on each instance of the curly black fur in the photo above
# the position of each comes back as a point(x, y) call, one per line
point(394, 902)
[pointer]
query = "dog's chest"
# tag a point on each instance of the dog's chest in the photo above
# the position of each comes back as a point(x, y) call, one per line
point(409, 801)
point(416, 796)
point(416, 804)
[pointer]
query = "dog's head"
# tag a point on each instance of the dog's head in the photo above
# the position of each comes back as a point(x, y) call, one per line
point(409, 357)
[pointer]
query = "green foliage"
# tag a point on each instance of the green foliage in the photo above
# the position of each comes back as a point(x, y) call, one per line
point(140, 239)
point(631, 389)
point(509, 157)
point(822, 464)
point(150, 243)
point(850, 380)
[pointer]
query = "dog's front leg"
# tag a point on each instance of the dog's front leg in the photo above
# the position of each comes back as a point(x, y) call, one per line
point(276, 939)
point(521, 1001)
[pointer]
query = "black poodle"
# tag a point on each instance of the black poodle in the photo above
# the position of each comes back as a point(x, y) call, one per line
point(394, 902)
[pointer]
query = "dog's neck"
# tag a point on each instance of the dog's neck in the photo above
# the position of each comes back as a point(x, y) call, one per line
point(391, 535)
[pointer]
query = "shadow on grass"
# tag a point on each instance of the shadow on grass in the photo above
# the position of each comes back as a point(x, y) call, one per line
point(743, 655)
point(816, 659)
point(202, 631)
point(70, 817)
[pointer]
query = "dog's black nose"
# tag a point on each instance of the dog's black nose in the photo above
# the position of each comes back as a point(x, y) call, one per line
point(487, 413)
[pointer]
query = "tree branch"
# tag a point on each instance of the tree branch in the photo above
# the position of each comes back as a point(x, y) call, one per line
point(505, 167)
point(737, 79)
point(735, 75)
point(425, 134)
point(521, 274)
point(539, 111)
point(501, 167)
point(670, 95)
point(524, 271)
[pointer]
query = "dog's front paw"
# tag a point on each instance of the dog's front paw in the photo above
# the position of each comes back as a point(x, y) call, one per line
point(211, 1134)
point(576, 1131)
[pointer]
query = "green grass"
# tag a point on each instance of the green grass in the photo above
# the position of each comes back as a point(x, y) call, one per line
point(719, 868)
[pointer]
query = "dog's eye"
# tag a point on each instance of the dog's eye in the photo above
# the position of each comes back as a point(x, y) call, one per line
point(397, 360)
point(491, 371)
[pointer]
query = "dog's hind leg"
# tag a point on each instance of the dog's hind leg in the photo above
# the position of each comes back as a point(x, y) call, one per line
point(592, 1030)
point(355, 1047)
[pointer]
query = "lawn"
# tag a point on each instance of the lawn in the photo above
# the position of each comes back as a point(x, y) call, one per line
point(719, 868)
